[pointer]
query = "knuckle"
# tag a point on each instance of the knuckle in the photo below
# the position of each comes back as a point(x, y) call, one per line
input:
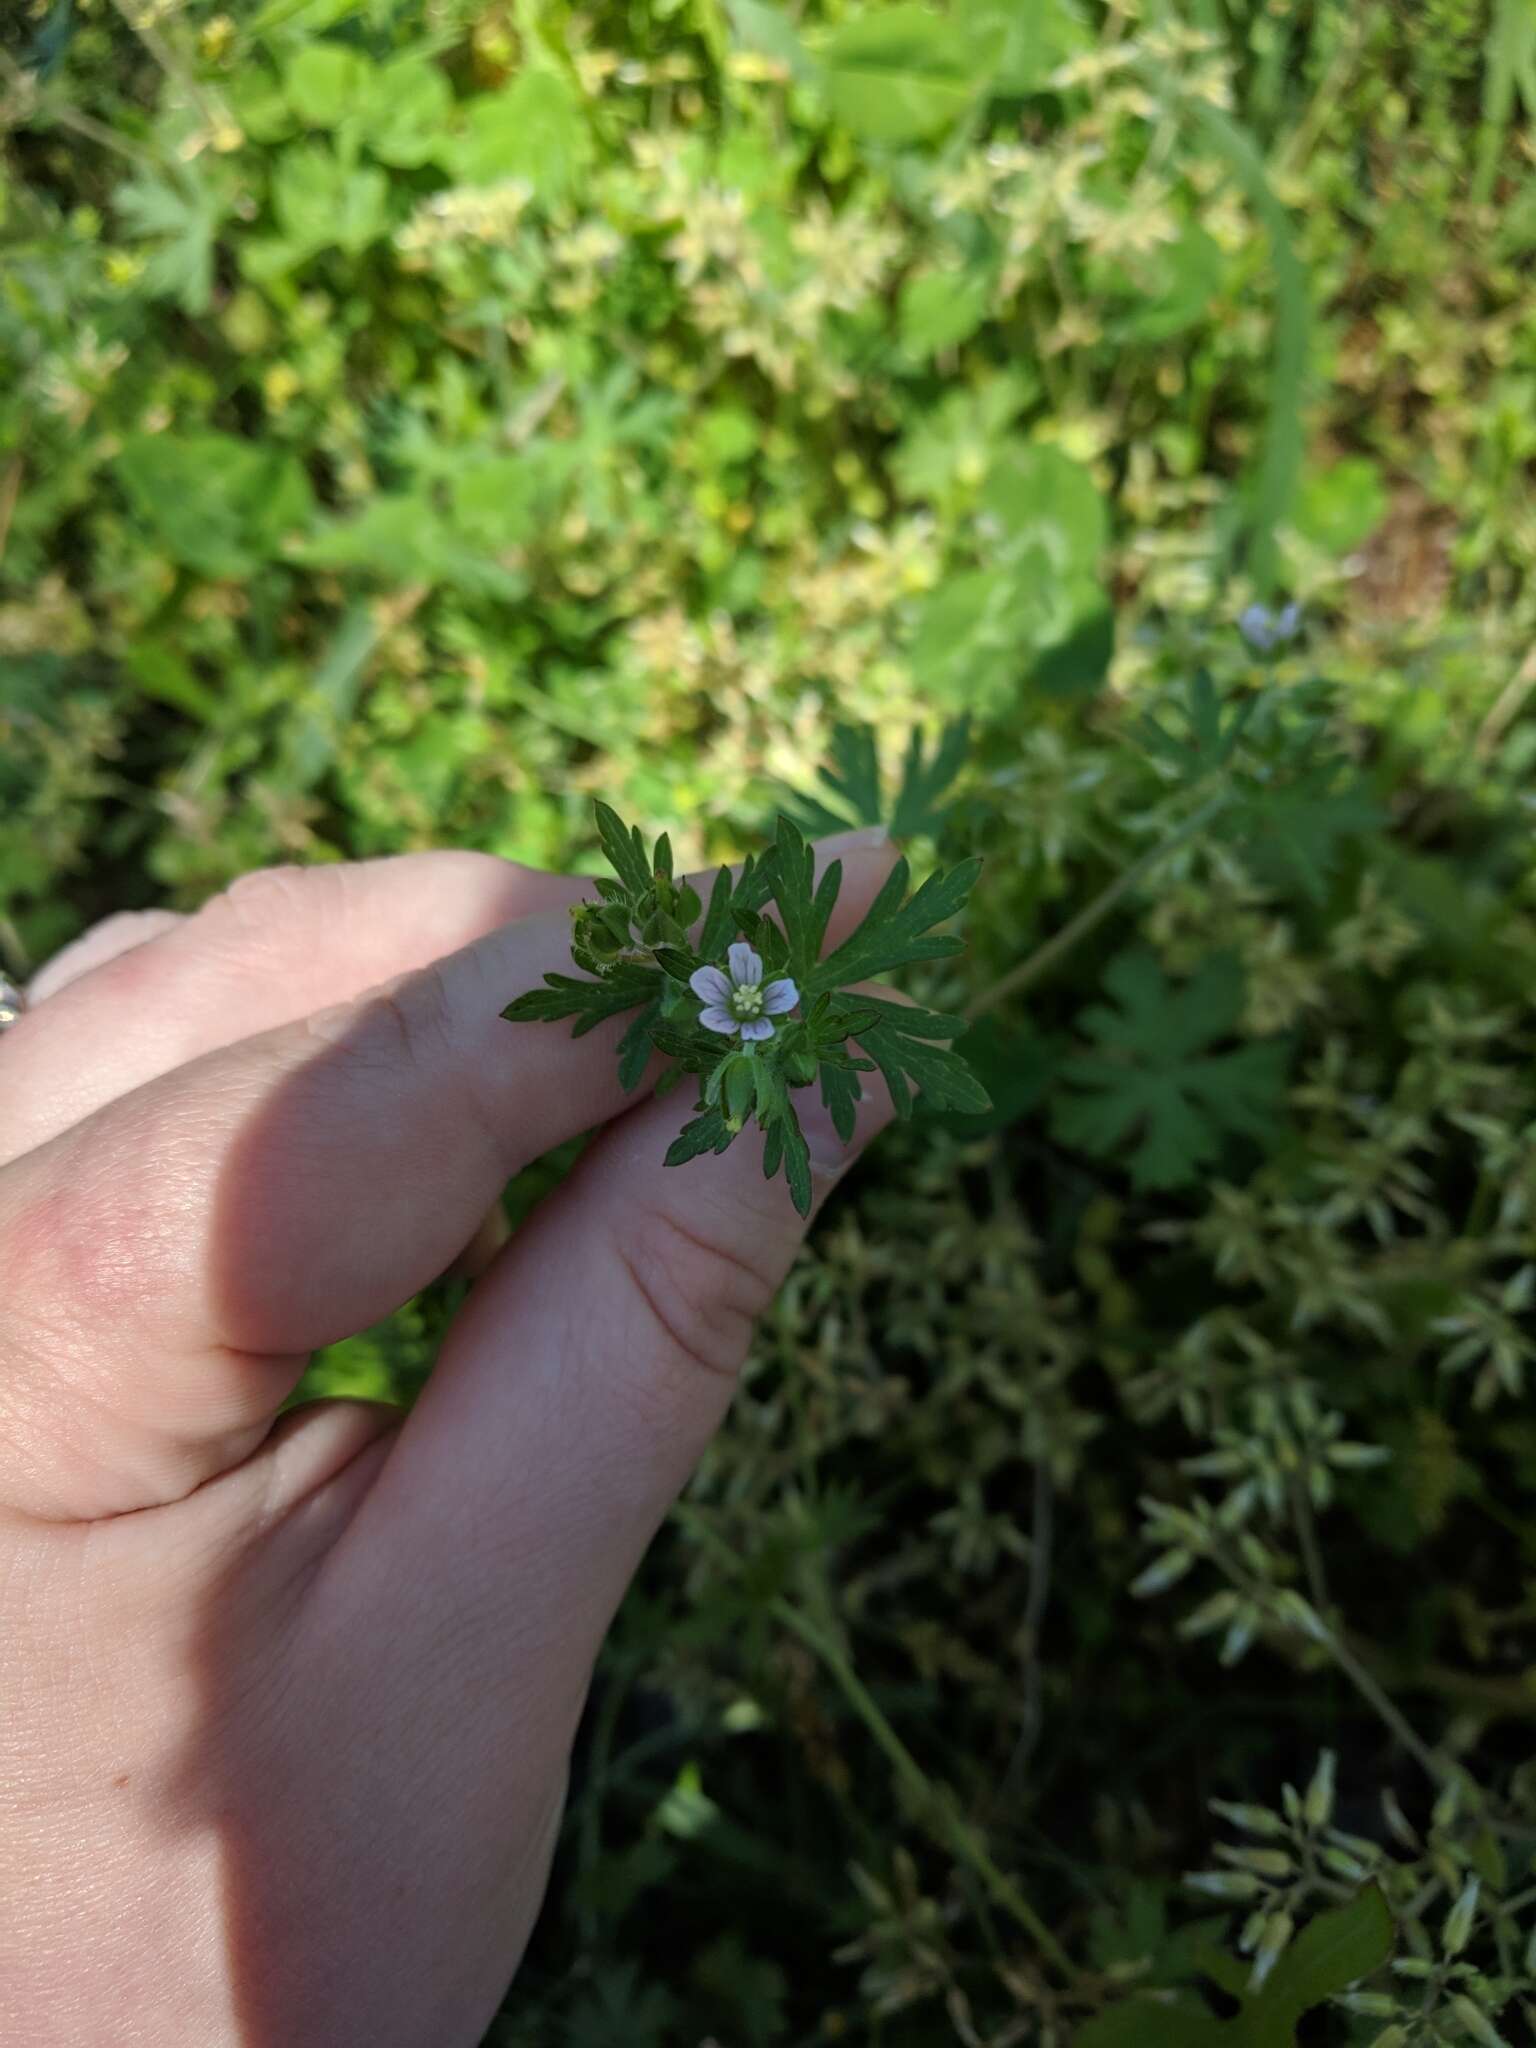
point(411, 1028)
point(415, 1011)
point(266, 889)
point(259, 903)
point(406, 1020)
point(699, 1296)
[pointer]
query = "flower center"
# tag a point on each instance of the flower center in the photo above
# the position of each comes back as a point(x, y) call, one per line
point(746, 1001)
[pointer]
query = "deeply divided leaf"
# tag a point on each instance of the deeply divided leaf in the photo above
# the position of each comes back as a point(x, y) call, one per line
point(1158, 1080)
point(900, 929)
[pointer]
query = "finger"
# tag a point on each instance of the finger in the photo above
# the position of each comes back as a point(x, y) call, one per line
point(196, 1239)
point(94, 948)
point(133, 1000)
point(573, 1398)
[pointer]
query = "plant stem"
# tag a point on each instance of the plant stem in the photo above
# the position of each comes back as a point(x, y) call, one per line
point(1506, 707)
point(932, 1805)
point(1377, 1700)
point(61, 115)
point(1332, 1639)
point(1040, 1547)
point(1044, 958)
point(1291, 155)
point(1311, 1551)
point(947, 1826)
point(170, 63)
point(10, 491)
point(591, 1834)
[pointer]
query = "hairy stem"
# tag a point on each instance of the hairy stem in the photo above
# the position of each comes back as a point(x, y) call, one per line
point(1039, 963)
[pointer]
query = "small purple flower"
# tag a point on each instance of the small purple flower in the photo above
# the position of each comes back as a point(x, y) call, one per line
point(1265, 630)
point(737, 1001)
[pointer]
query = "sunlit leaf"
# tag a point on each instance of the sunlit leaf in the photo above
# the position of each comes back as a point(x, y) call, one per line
point(897, 74)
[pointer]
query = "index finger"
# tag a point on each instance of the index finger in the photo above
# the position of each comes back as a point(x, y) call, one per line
point(276, 945)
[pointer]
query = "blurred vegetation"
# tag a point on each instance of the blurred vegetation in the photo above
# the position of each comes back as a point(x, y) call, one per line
point(420, 416)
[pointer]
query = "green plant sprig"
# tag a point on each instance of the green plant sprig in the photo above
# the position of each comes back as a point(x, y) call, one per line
point(648, 934)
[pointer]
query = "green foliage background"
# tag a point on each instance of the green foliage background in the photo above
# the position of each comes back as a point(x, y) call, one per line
point(420, 416)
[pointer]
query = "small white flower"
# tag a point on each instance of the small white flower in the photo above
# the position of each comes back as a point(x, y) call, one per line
point(737, 1001)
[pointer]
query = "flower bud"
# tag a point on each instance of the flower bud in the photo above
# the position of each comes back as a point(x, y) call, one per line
point(1276, 1939)
point(1318, 1805)
point(1475, 2023)
point(1163, 1572)
point(1458, 1924)
point(1262, 1862)
point(1230, 1886)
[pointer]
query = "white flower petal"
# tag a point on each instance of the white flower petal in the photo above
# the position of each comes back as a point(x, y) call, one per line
point(746, 964)
point(710, 985)
point(757, 1027)
point(778, 997)
point(716, 1019)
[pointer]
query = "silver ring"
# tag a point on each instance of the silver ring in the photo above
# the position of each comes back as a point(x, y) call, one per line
point(13, 1002)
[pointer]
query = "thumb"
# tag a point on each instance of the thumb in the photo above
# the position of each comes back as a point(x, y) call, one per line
point(577, 1391)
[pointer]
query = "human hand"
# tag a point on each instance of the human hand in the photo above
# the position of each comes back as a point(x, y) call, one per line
point(286, 1705)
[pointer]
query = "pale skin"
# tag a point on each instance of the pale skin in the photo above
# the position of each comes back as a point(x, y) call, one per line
point(286, 1705)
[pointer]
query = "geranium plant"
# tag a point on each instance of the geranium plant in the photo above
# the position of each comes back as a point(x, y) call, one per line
point(738, 994)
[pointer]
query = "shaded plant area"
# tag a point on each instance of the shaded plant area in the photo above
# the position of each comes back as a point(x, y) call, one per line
point(1094, 439)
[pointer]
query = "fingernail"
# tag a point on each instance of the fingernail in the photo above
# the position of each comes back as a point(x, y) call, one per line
point(865, 840)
